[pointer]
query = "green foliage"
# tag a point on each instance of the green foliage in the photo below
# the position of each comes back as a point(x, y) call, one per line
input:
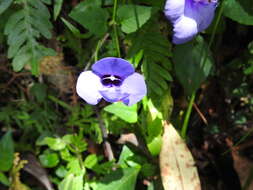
point(48, 159)
point(120, 179)
point(23, 29)
point(240, 11)
point(132, 17)
point(7, 152)
point(90, 10)
point(57, 8)
point(4, 180)
point(156, 54)
point(4, 4)
point(71, 182)
point(196, 57)
point(127, 113)
point(69, 141)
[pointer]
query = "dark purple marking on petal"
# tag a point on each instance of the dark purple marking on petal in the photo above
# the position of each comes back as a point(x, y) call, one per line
point(111, 80)
point(113, 66)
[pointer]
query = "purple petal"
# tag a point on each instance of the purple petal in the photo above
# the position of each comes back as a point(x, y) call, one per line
point(88, 86)
point(135, 86)
point(174, 9)
point(189, 17)
point(113, 94)
point(201, 11)
point(113, 66)
point(184, 30)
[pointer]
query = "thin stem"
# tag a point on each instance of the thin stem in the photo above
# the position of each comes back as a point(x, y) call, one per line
point(187, 116)
point(95, 54)
point(107, 145)
point(115, 31)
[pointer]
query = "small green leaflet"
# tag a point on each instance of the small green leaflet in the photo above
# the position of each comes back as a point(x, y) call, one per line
point(127, 113)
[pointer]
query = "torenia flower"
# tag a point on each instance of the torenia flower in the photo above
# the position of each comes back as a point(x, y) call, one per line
point(112, 79)
point(189, 17)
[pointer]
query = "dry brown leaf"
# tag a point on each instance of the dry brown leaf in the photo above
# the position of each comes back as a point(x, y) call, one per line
point(178, 170)
point(242, 165)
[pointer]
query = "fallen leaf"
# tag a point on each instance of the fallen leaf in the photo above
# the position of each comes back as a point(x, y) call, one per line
point(242, 165)
point(178, 170)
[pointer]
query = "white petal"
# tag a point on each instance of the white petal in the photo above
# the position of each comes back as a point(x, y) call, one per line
point(184, 30)
point(88, 86)
point(174, 9)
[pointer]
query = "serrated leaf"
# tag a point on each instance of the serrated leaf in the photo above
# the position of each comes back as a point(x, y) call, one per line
point(24, 28)
point(132, 17)
point(4, 4)
point(121, 179)
point(193, 63)
point(127, 113)
point(86, 11)
point(240, 11)
point(7, 152)
point(178, 170)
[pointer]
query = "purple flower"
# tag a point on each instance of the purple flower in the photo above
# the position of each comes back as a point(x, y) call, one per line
point(189, 17)
point(114, 80)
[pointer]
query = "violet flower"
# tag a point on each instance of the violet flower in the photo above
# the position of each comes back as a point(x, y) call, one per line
point(189, 17)
point(114, 80)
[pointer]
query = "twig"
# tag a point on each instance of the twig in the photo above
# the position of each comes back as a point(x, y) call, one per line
point(107, 145)
point(200, 114)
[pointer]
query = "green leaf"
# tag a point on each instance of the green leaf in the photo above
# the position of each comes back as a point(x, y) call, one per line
point(55, 143)
point(4, 180)
point(121, 179)
point(6, 152)
point(71, 182)
point(132, 17)
point(57, 8)
point(49, 160)
point(61, 172)
point(239, 10)
point(193, 64)
point(154, 145)
point(88, 11)
point(74, 167)
point(127, 113)
point(39, 91)
point(90, 161)
point(4, 4)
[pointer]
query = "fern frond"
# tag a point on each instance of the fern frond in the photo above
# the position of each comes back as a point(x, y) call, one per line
point(156, 56)
point(23, 29)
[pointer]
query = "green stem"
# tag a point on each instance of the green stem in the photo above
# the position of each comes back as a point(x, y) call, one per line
point(187, 116)
point(116, 38)
point(189, 108)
